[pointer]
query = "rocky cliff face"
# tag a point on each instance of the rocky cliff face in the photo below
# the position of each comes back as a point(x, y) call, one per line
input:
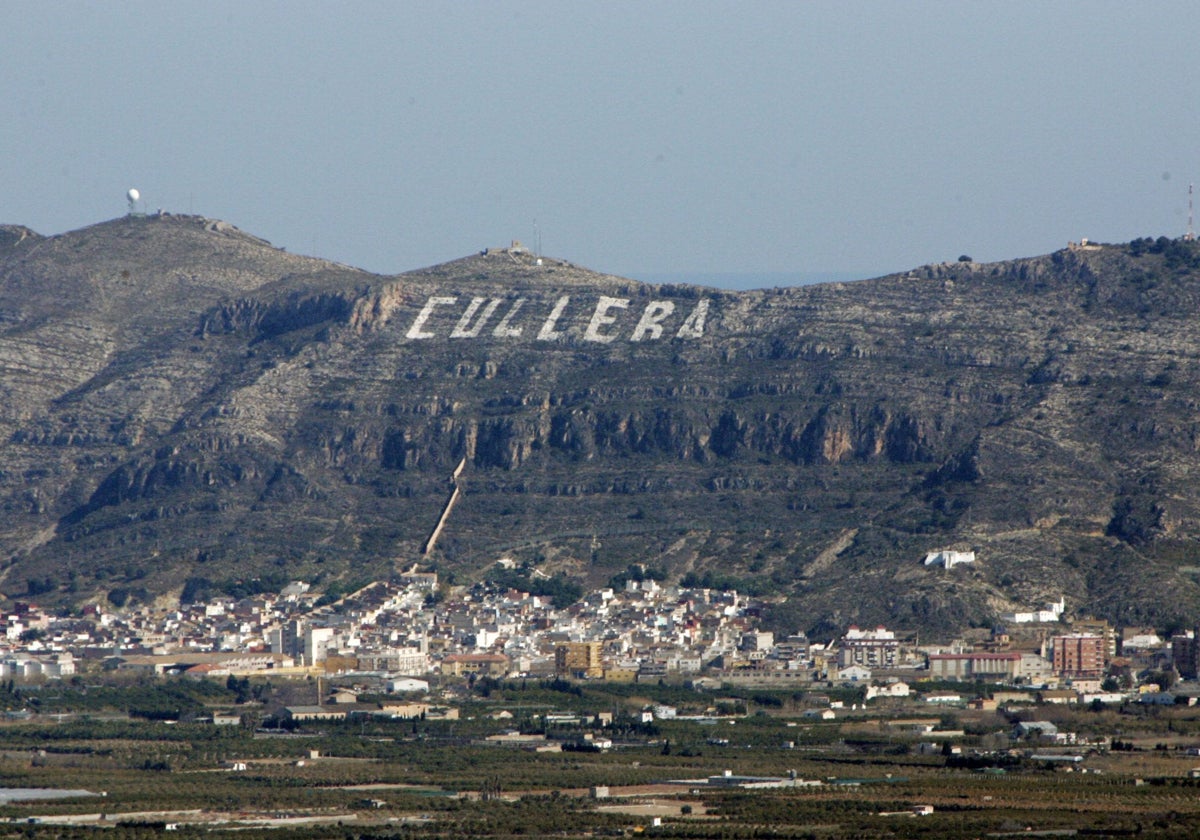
point(181, 400)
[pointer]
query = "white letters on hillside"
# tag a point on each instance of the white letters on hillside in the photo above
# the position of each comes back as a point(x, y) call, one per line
point(601, 318)
point(503, 330)
point(693, 327)
point(603, 322)
point(464, 328)
point(415, 330)
point(547, 332)
point(650, 326)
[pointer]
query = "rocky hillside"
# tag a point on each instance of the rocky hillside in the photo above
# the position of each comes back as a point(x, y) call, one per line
point(183, 402)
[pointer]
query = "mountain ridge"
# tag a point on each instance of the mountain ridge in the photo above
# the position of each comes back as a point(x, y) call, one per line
point(183, 401)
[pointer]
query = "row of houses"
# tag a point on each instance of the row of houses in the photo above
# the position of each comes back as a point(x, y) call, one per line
point(412, 625)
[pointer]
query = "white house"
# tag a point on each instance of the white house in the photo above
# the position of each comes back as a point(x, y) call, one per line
point(1052, 613)
point(949, 559)
point(854, 673)
point(896, 689)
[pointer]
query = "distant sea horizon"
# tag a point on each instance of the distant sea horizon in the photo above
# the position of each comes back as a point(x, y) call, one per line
point(742, 281)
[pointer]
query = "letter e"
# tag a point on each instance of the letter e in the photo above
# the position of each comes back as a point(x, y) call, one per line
point(601, 318)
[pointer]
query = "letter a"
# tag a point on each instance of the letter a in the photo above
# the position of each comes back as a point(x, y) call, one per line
point(650, 324)
point(693, 327)
point(415, 330)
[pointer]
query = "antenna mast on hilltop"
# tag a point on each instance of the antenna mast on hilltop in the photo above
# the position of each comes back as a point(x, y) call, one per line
point(1191, 234)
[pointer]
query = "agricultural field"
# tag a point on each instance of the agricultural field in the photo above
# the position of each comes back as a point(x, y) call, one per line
point(734, 764)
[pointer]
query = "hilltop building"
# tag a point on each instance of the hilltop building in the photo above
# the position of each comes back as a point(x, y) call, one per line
point(949, 559)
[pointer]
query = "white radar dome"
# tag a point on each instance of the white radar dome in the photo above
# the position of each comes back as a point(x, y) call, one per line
point(133, 195)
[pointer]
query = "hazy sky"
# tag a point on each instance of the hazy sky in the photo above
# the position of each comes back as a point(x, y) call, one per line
point(639, 138)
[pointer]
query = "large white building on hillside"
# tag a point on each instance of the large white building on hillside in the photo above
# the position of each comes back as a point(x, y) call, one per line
point(1052, 612)
point(949, 559)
